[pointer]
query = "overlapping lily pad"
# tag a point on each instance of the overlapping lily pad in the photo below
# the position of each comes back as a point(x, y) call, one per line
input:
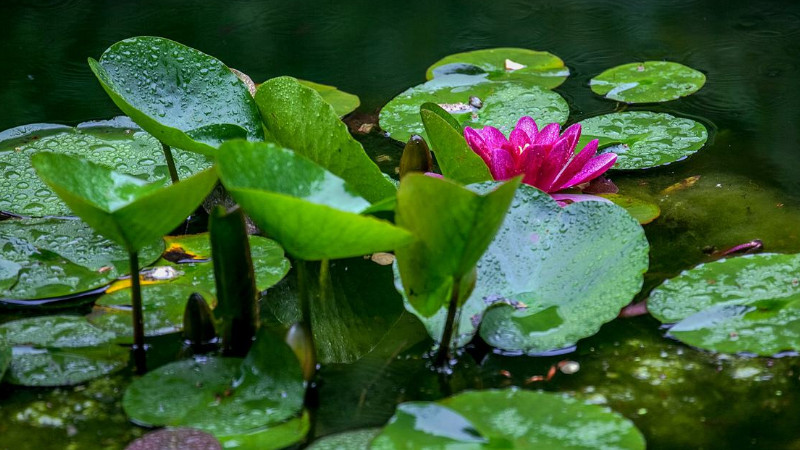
point(542, 68)
point(59, 350)
point(555, 275)
point(224, 396)
point(511, 419)
point(183, 97)
point(647, 82)
point(273, 437)
point(117, 143)
point(643, 139)
point(744, 304)
point(475, 101)
point(343, 103)
point(642, 210)
point(49, 258)
point(308, 210)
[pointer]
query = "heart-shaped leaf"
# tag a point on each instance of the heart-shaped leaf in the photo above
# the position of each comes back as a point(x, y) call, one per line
point(183, 97)
point(59, 350)
point(343, 103)
point(310, 211)
point(511, 419)
point(456, 159)
point(453, 226)
point(647, 82)
point(542, 68)
point(645, 139)
point(224, 396)
point(474, 101)
point(297, 117)
point(51, 258)
point(127, 210)
point(117, 143)
point(742, 304)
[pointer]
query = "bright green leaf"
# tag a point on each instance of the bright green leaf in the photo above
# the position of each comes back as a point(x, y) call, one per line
point(297, 117)
point(342, 102)
point(641, 210)
point(542, 68)
point(647, 82)
point(274, 437)
point(456, 159)
point(348, 440)
point(183, 97)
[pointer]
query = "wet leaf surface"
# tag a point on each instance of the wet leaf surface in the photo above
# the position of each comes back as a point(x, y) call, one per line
point(43, 258)
point(183, 97)
point(542, 68)
point(349, 440)
point(117, 143)
point(641, 210)
point(647, 82)
point(456, 159)
point(343, 103)
point(278, 436)
point(645, 139)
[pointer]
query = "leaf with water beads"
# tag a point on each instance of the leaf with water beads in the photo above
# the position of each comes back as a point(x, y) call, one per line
point(542, 68)
point(647, 82)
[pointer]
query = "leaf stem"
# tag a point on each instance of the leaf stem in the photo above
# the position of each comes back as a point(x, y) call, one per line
point(444, 356)
point(139, 356)
point(173, 173)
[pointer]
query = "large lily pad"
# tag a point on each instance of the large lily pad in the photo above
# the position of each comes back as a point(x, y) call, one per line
point(502, 104)
point(564, 271)
point(297, 117)
point(126, 209)
point(343, 103)
point(348, 440)
point(643, 139)
point(117, 143)
point(309, 210)
point(59, 350)
point(647, 82)
point(744, 304)
point(49, 258)
point(183, 97)
point(224, 396)
point(512, 419)
point(542, 68)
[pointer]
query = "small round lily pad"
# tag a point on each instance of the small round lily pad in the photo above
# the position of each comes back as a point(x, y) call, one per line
point(647, 82)
point(474, 101)
point(542, 68)
point(643, 139)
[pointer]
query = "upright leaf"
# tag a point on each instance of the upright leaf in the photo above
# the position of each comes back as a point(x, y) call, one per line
point(457, 161)
point(183, 97)
point(298, 118)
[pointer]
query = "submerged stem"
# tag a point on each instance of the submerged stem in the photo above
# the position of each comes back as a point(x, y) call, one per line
point(445, 355)
point(139, 356)
point(173, 173)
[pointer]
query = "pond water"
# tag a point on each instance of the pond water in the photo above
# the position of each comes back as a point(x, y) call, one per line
point(749, 187)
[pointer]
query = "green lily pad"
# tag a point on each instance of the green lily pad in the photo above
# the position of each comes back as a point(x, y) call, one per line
point(565, 271)
point(645, 139)
point(297, 117)
point(348, 440)
point(543, 68)
point(274, 437)
point(641, 210)
point(647, 82)
point(309, 210)
point(453, 226)
point(512, 419)
point(51, 258)
point(503, 103)
point(456, 159)
point(183, 97)
point(742, 304)
point(117, 143)
point(343, 103)
point(126, 209)
point(224, 396)
point(59, 350)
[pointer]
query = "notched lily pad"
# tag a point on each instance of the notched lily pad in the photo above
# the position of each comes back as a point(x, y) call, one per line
point(117, 143)
point(49, 258)
point(59, 350)
point(541, 68)
point(183, 97)
point(647, 82)
point(643, 139)
point(502, 103)
point(744, 304)
point(512, 419)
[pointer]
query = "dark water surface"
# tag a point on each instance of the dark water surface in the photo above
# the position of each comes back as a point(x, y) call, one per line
point(749, 186)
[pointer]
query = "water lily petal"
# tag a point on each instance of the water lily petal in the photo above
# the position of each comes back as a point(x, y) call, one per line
point(528, 125)
point(594, 168)
point(571, 135)
point(532, 161)
point(502, 167)
point(478, 145)
point(493, 137)
point(548, 135)
point(554, 165)
point(576, 164)
point(519, 141)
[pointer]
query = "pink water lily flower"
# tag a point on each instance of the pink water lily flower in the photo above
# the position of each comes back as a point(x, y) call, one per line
point(546, 159)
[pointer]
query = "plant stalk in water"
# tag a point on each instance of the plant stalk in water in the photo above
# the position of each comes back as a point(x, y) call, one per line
point(139, 355)
point(444, 356)
point(173, 172)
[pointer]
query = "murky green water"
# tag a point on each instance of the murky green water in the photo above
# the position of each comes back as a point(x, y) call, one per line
point(749, 186)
